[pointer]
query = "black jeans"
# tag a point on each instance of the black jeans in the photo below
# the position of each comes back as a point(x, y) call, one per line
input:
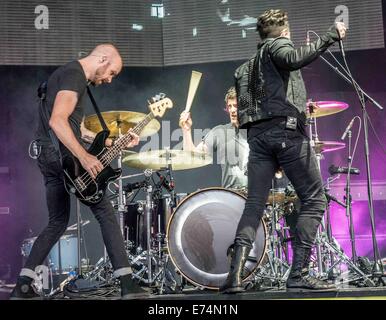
point(292, 151)
point(58, 203)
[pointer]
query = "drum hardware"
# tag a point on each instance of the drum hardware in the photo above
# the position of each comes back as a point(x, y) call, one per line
point(155, 257)
point(328, 252)
point(148, 261)
point(314, 112)
point(275, 241)
point(334, 253)
point(333, 248)
point(332, 274)
point(276, 268)
point(378, 270)
point(348, 198)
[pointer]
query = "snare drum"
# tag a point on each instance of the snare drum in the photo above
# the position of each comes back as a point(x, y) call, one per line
point(200, 232)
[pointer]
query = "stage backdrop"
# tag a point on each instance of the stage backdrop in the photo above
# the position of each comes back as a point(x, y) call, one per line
point(169, 32)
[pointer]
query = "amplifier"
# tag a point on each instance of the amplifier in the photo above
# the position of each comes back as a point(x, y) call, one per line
point(359, 190)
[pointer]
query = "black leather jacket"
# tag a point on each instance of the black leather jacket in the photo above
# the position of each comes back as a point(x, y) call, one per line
point(270, 84)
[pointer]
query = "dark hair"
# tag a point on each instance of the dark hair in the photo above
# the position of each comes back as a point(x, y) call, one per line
point(271, 23)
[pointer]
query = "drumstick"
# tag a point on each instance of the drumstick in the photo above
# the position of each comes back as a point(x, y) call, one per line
point(194, 81)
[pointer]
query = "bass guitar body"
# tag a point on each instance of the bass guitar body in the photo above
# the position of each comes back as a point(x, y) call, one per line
point(78, 181)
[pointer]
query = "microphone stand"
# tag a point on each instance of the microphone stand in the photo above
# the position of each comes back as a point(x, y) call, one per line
point(377, 271)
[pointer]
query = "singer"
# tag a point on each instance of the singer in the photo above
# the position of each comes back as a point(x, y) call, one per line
point(272, 105)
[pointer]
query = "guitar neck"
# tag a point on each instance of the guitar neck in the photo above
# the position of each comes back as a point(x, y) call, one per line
point(121, 143)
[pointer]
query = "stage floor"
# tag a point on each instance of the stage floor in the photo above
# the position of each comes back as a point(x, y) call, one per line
point(375, 293)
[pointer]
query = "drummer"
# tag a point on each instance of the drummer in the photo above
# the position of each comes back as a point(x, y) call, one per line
point(227, 140)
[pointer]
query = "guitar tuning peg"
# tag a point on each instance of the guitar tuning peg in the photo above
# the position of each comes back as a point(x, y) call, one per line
point(157, 98)
point(153, 100)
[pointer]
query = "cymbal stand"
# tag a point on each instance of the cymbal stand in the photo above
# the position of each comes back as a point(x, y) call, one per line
point(79, 234)
point(149, 262)
point(275, 241)
point(334, 254)
point(333, 248)
point(314, 139)
point(333, 272)
point(121, 196)
point(149, 211)
point(276, 269)
point(348, 199)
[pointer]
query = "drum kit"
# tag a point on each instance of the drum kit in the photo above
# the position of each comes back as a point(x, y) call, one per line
point(176, 241)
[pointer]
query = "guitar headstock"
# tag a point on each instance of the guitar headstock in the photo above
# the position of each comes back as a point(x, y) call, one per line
point(159, 104)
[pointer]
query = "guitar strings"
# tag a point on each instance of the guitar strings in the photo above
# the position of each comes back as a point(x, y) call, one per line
point(111, 153)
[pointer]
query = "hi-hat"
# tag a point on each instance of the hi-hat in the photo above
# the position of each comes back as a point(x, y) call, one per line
point(280, 197)
point(328, 146)
point(324, 108)
point(158, 159)
point(123, 120)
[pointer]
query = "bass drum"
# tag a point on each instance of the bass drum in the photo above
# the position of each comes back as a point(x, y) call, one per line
point(200, 232)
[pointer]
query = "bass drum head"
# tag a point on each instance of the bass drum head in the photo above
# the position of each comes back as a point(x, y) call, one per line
point(200, 232)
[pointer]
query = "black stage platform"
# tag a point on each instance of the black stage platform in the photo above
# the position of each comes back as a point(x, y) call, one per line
point(347, 293)
point(353, 293)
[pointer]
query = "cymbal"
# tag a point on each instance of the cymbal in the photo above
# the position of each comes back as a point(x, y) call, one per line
point(327, 146)
point(325, 108)
point(121, 119)
point(279, 196)
point(158, 159)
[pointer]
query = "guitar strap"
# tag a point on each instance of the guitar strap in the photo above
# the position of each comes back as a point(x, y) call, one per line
point(101, 120)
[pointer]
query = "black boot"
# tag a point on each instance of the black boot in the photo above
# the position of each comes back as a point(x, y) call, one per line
point(24, 289)
point(299, 279)
point(130, 289)
point(233, 283)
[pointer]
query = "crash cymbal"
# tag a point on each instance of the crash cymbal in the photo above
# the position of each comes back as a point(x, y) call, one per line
point(327, 146)
point(158, 159)
point(324, 108)
point(121, 119)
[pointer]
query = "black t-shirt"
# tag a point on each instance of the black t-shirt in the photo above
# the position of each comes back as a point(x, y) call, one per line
point(68, 77)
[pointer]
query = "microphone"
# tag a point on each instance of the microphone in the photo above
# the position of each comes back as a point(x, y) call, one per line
point(340, 43)
point(331, 197)
point(308, 39)
point(165, 183)
point(133, 186)
point(347, 129)
point(342, 170)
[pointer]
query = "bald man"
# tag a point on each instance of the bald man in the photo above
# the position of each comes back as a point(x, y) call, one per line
point(65, 99)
